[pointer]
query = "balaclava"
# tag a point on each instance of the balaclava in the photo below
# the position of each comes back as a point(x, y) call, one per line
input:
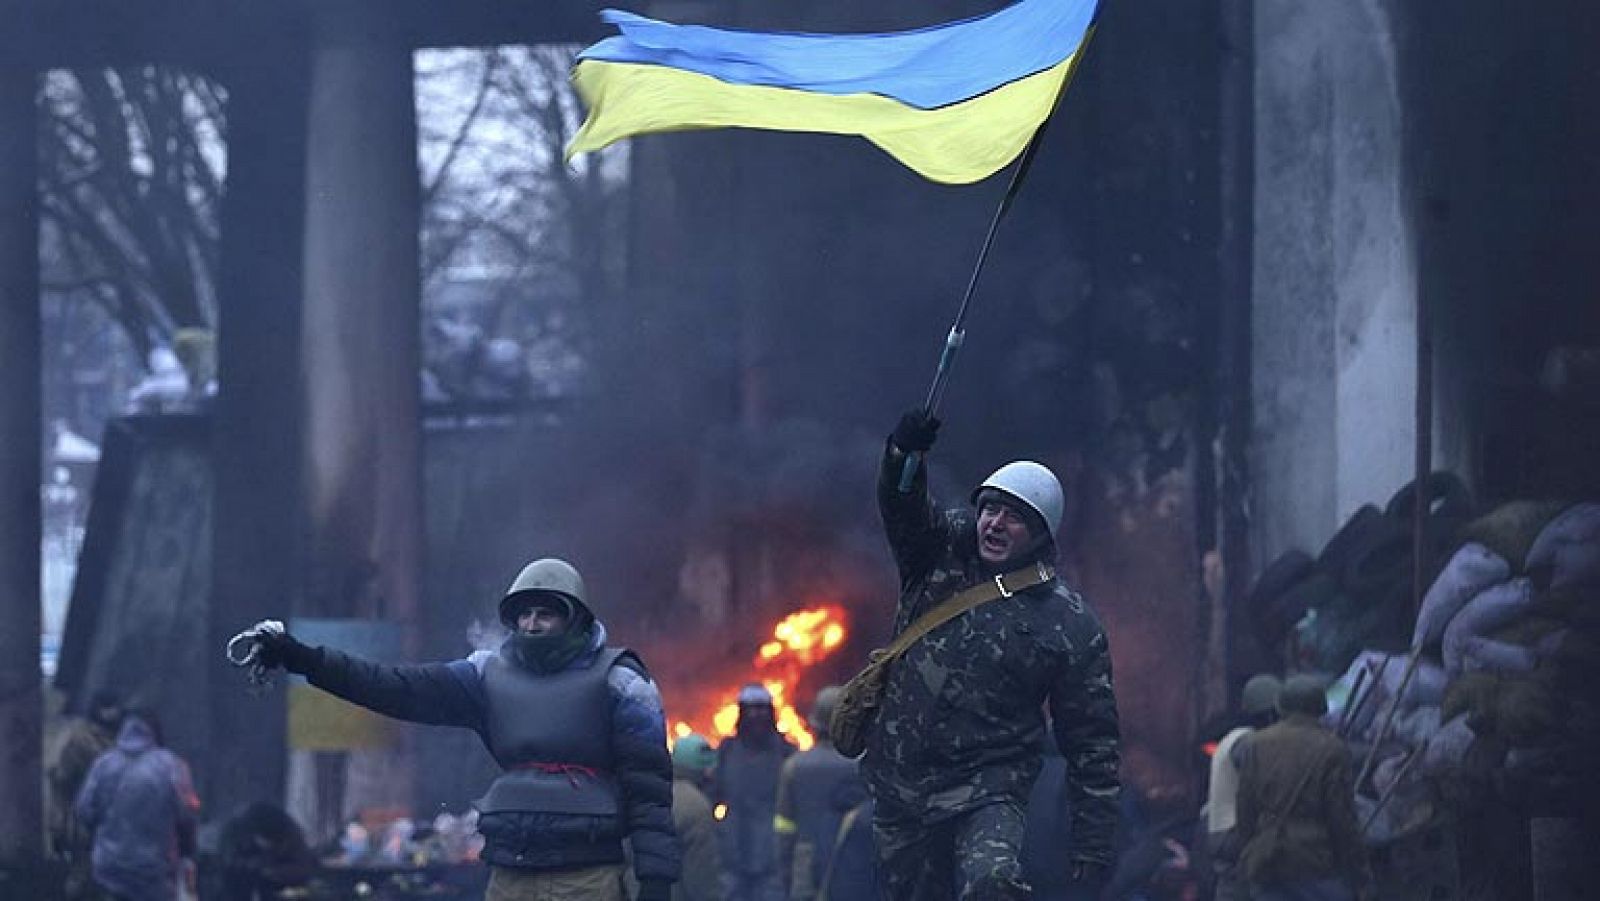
point(553, 652)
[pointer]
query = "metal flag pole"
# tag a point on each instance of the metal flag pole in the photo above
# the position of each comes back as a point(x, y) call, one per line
point(958, 329)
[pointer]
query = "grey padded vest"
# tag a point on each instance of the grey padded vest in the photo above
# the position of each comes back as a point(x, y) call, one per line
point(551, 733)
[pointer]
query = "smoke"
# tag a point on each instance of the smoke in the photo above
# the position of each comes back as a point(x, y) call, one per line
point(485, 636)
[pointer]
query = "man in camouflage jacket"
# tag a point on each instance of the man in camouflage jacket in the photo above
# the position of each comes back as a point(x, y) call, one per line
point(956, 745)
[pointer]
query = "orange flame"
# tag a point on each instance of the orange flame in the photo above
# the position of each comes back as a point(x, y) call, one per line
point(798, 642)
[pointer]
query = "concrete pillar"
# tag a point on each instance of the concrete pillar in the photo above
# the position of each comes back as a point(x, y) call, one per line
point(1334, 272)
point(361, 342)
point(259, 420)
point(21, 712)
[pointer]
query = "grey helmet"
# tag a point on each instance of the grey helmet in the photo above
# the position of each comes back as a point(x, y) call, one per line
point(1034, 485)
point(822, 709)
point(547, 575)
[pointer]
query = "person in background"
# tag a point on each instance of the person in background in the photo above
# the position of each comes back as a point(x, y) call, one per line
point(746, 780)
point(1258, 706)
point(1297, 829)
point(815, 791)
point(853, 866)
point(139, 803)
point(263, 851)
point(692, 762)
point(83, 739)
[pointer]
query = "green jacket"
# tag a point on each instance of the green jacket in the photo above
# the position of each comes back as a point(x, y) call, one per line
point(1318, 838)
point(962, 722)
point(696, 828)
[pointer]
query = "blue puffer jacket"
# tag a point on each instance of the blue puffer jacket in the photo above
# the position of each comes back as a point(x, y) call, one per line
point(452, 694)
point(140, 803)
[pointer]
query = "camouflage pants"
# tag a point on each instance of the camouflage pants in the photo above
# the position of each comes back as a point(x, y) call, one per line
point(586, 884)
point(972, 856)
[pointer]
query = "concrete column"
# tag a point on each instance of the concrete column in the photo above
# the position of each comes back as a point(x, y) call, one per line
point(362, 342)
point(1334, 271)
point(21, 713)
point(257, 552)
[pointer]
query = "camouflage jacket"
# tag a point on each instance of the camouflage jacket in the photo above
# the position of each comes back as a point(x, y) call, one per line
point(962, 721)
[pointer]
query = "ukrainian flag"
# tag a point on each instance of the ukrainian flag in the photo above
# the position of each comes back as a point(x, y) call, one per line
point(954, 102)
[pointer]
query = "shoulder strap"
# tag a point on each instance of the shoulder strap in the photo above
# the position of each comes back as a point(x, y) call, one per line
point(1294, 797)
point(999, 587)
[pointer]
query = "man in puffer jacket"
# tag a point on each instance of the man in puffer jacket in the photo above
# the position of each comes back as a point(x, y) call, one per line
point(576, 726)
point(139, 803)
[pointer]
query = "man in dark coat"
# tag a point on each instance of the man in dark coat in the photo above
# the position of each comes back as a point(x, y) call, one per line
point(82, 741)
point(956, 745)
point(746, 780)
point(139, 803)
point(815, 791)
point(577, 727)
point(1296, 808)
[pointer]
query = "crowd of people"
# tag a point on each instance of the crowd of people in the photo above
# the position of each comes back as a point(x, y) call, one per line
point(983, 767)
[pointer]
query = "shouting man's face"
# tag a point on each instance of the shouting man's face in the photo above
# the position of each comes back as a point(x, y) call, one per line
point(1002, 531)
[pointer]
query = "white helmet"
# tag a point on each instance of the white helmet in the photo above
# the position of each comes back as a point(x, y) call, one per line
point(1034, 485)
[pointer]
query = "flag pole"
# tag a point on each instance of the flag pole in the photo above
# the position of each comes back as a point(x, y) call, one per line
point(958, 329)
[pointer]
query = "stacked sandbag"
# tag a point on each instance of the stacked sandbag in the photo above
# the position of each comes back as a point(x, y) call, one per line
point(1514, 621)
point(1506, 646)
point(1358, 703)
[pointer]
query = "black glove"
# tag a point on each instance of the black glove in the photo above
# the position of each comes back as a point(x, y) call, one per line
point(277, 648)
point(916, 431)
point(654, 890)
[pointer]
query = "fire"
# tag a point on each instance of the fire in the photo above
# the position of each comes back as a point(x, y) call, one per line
point(798, 642)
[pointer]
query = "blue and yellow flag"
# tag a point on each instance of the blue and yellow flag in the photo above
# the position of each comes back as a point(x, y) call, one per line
point(955, 102)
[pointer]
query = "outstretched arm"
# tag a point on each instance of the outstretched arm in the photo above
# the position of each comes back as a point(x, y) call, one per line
point(440, 694)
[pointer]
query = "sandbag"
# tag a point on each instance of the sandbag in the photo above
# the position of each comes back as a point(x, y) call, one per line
point(1427, 689)
point(1569, 547)
point(1415, 726)
point(1480, 654)
point(1489, 609)
point(1472, 569)
point(1509, 529)
point(1447, 748)
point(1532, 629)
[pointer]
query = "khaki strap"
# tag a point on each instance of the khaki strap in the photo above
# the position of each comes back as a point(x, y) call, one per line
point(999, 587)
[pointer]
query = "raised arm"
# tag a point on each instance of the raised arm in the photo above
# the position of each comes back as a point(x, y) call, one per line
point(915, 527)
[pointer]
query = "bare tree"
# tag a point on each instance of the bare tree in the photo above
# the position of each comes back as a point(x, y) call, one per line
point(131, 178)
point(502, 208)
